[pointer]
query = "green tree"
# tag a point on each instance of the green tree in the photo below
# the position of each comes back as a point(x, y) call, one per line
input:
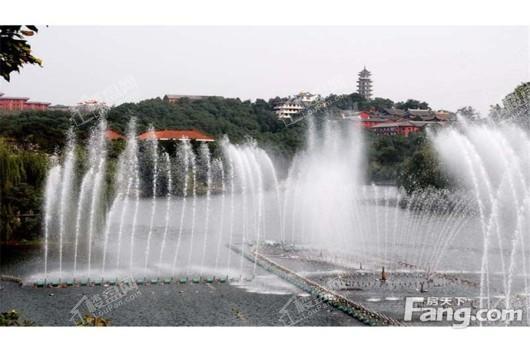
point(22, 174)
point(381, 103)
point(496, 112)
point(423, 171)
point(412, 104)
point(469, 113)
point(517, 105)
point(15, 50)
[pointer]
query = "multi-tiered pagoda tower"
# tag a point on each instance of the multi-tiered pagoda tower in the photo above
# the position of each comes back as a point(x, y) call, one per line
point(364, 84)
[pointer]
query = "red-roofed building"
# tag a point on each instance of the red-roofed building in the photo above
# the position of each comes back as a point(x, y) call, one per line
point(403, 128)
point(366, 119)
point(113, 135)
point(165, 135)
point(20, 103)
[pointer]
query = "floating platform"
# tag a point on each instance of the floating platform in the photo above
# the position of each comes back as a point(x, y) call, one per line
point(86, 282)
point(337, 301)
point(9, 278)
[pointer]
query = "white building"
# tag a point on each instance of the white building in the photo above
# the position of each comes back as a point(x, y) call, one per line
point(289, 110)
point(295, 106)
point(307, 97)
point(90, 106)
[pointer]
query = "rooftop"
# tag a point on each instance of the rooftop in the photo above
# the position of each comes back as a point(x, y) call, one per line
point(191, 134)
point(113, 135)
point(365, 73)
point(14, 98)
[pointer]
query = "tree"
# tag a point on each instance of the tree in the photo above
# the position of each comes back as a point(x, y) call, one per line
point(423, 171)
point(517, 105)
point(15, 50)
point(381, 103)
point(412, 104)
point(469, 113)
point(496, 112)
point(22, 174)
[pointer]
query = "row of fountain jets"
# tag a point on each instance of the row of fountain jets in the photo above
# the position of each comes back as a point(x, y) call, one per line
point(80, 223)
point(322, 203)
point(181, 212)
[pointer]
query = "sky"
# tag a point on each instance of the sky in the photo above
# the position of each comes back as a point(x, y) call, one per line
point(449, 67)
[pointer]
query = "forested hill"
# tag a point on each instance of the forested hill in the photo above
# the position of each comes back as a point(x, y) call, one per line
point(216, 116)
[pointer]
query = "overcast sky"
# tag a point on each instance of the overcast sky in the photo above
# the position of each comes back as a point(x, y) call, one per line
point(449, 67)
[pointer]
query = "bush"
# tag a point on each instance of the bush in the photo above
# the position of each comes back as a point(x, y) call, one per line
point(12, 318)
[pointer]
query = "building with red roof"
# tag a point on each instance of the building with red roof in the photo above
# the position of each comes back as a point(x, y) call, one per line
point(165, 135)
point(403, 128)
point(113, 135)
point(20, 103)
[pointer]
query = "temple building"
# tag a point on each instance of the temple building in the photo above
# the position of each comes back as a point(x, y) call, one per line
point(293, 108)
point(113, 135)
point(179, 135)
point(364, 84)
point(289, 110)
point(20, 103)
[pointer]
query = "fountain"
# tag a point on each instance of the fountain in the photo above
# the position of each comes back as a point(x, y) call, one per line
point(494, 167)
point(187, 214)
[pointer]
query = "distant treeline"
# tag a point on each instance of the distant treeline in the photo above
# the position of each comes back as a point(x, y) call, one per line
point(22, 175)
point(27, 138)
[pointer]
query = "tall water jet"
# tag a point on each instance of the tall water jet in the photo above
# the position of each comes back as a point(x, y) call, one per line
point(193, 164)
point(184, 152)
point(232, 209)
point(136, 186)
point(66, 194)
point(53, 180)
point(169, 190)
point(122, 185)
point(82, 200)
point(206, 160)
point(98, 160)
point(130, 159)
point(255, 166)
point(323, 180)
point(276, 186)
point(108, 226)
point(153, 143)
point(220, 168)
point(240, 170)
point(495, 170)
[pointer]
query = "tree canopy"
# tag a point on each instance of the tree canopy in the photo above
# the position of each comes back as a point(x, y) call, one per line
point(15, 50)
point(412, 104)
